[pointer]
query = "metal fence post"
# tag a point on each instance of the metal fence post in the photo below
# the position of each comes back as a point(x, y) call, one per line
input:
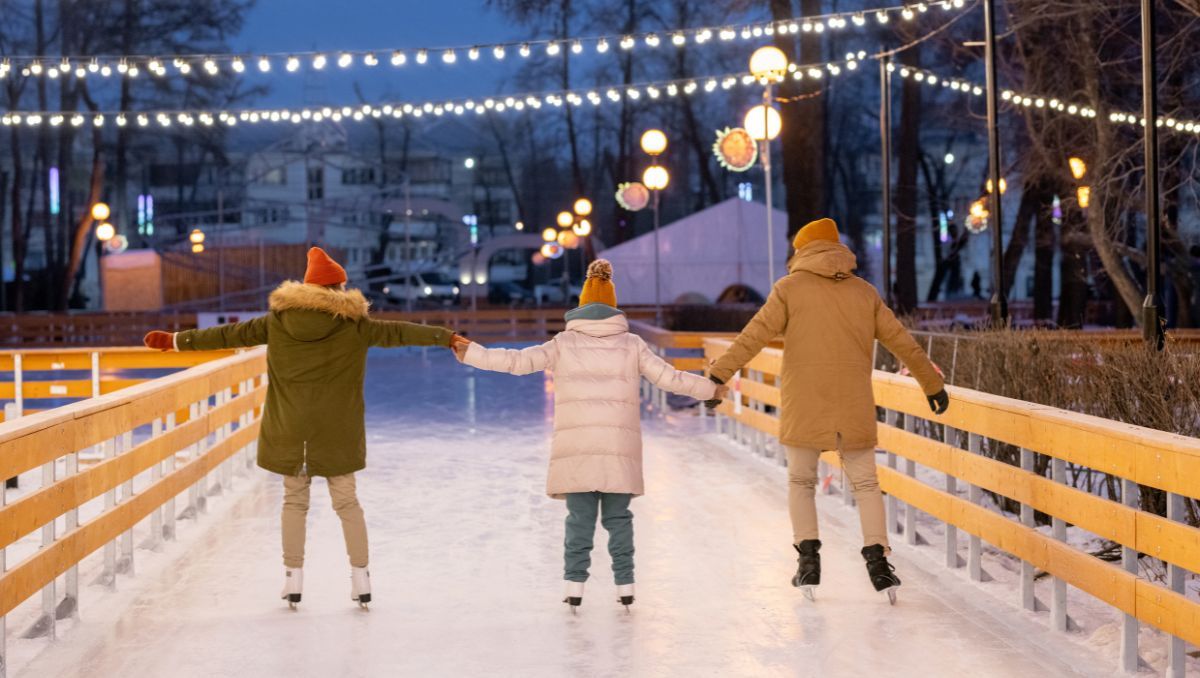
point(1176, 657)
point(46, 625)
point(1058, 597)
point(1028, 597)
point(193, 505)
point(3, 569)
point(951, 437)
point(1129, 561)
point(108, 576)
point(126, 562)
point(910, 470)
point(168, 530)
point(975, 496)
point(893, 507)
point(156, 518)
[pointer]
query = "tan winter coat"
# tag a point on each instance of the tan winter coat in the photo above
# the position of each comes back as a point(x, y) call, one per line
point(829, 319)
point(598, 367)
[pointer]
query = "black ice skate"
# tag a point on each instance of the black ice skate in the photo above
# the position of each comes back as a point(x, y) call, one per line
point(625, 595)
point(808, 574)
point(574, 596)
point(360, 586)
point(882, 573)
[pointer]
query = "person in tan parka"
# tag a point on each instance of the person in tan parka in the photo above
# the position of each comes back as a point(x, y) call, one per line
point(830, 319)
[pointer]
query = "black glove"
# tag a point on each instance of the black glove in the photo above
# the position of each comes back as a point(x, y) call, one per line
point(712, 404)
point(938, 402)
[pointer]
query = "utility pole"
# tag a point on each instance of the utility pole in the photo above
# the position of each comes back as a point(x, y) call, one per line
point(999, 303)
point(1152, 322)
point(885, 138)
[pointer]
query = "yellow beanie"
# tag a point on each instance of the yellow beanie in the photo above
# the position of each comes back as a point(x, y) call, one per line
point(598, 288)
point(821, 229)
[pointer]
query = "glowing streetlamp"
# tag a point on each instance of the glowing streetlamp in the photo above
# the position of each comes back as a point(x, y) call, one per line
point(196, 236)
point(768, 65)
point(197, 247)
point(654, 142)
point(1083, 195)
point(101, 212)
point(565, 219)
point(549, 234)
point(655, 178)
point(583, 207)
point(582, 228)
point(105, 231)
point(1078, 167)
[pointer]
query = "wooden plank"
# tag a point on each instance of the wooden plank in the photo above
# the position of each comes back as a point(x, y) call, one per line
point(41, 506)
point(1169, 611)
point(32, 574)
point(1168, 540)
point(689, 364)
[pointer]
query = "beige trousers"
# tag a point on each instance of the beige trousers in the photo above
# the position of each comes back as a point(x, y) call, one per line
point(859, 466)
point(345, 503)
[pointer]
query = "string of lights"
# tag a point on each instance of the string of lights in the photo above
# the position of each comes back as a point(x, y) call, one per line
point(1042, 102)
point(183, 65)
point(595, 96)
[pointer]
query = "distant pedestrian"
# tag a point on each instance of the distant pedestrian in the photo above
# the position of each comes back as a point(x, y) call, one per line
point(976, 286)
point(830, 320)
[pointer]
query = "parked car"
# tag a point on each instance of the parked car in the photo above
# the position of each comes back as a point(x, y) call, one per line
point(427, 286)
point(508, 294)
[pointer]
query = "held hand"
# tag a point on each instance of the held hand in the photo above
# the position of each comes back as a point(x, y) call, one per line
point(459, 345)
point(161, 341)
point(939, 402)
point(722, 392)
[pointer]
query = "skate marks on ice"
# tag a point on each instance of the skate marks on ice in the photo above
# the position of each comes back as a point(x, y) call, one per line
point(467, 568)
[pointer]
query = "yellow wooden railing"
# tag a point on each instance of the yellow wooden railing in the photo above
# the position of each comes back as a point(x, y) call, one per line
point(139, 436)
point(77, 373)
point(951, 445)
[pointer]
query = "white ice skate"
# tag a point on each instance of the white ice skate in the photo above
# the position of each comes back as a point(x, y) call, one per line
point(360, 586)
point(574, 596)
point(625, 595)
point(293, 585)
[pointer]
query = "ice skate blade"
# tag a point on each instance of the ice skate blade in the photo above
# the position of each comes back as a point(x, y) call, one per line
point(363, 604)
point(891, 594)
point(809, 592)
point(573, 603)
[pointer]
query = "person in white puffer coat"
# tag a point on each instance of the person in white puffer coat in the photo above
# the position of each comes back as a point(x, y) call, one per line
point(596, 452)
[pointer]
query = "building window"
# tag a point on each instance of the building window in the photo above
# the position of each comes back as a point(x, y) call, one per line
point(276, 176)
point(357, 176)
point(316, 183)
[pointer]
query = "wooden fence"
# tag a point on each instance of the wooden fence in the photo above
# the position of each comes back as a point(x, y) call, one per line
point(192, 429)
point(951, 447)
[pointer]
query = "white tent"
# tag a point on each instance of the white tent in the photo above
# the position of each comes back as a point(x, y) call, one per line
point(704, 253)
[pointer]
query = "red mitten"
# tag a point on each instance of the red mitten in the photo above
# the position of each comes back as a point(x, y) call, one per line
point(162, 341)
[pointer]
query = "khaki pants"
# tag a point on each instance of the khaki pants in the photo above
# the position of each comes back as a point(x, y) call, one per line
point(859, 466)
point(345, 503)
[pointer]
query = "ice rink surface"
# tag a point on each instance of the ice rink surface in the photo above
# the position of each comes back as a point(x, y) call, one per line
point(466, 566)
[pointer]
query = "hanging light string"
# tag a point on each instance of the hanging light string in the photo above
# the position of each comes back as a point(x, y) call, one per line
point(1025, 100)
point(595, 96)
point(135, 65)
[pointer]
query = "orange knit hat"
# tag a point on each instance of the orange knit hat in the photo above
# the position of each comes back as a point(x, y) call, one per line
point(322, 269)
point(821, 229)
point(598, 288)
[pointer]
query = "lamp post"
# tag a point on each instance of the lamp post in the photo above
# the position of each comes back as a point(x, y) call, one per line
point(655, 178)
point(1152, 329)
point(768, 65)
point(999, 302)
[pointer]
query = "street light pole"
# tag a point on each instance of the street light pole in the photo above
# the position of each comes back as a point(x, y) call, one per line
point(885, 138)
point(1152, 329)
point(766, 154)
point(999, 303)
point(658, 319)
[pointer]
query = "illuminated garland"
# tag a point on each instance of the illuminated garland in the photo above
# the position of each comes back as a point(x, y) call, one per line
point(1041, 102)
point(133, 66)
point(595, 96)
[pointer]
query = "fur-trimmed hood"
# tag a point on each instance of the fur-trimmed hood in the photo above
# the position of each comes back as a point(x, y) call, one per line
point(341, 304)
point(314, 312)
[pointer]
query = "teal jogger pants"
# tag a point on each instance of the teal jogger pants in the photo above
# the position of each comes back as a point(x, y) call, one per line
point(615, 516)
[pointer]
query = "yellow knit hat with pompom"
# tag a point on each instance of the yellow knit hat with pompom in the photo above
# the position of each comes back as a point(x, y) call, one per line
point(598, 288)
point(821, 229)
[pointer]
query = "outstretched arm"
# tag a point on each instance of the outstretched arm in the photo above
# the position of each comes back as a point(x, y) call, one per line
point(663, 375)
point(512, 361)
point(393, 333)
point(768, 323)
point(236, 335)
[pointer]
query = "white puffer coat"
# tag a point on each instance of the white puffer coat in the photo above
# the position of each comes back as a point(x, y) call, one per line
point(598, 366)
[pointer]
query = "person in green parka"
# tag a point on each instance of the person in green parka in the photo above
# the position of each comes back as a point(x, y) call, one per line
point(317, 334)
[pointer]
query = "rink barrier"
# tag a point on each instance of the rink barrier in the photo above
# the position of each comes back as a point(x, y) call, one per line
point(223, 401)
point(77, 373)
point(1140, 457)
